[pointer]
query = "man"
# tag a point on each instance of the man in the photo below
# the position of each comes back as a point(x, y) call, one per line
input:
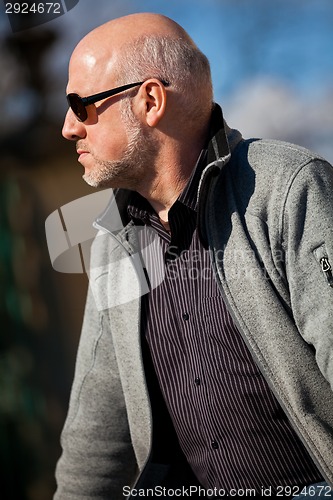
point(205, 362)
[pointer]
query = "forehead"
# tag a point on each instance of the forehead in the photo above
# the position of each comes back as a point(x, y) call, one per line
point(90, 70)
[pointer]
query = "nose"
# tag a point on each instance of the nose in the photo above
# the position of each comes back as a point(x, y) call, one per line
point(73, 129)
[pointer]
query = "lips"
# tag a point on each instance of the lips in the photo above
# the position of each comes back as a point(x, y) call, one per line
point(82, 153)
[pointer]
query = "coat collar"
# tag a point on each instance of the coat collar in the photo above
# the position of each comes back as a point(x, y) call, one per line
point(223, 141)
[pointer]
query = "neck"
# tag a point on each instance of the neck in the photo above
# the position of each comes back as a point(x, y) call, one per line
point(171, 175)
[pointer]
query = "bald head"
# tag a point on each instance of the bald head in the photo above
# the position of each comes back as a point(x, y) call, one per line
point(125, 29)
point(141, 46)
point(106, 42)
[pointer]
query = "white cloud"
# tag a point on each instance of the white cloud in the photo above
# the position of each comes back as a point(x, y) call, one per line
point(269, 108)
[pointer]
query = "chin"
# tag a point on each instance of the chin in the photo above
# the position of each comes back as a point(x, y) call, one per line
point(92, 181)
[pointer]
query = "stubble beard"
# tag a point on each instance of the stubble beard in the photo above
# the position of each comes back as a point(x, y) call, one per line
point(129, 170)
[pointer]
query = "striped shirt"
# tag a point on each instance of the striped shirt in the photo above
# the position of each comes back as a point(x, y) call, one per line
point(231, 428)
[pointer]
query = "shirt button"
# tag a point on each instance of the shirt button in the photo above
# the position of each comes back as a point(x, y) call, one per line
point(197, 381)
point(215, 445)
point(186, 316)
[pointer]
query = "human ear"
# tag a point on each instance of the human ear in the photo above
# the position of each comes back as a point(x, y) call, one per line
point(154, 96)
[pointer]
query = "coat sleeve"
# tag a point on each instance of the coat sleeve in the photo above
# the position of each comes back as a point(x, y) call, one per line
point(307, 229)
point(97, 460)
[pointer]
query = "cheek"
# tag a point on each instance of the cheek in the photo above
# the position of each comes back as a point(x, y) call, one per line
point(108, 143)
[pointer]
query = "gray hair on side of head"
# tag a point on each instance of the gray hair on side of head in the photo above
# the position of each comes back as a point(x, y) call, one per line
point(175, 60)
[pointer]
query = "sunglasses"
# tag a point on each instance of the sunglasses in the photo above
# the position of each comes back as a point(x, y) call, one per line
point(78, 104)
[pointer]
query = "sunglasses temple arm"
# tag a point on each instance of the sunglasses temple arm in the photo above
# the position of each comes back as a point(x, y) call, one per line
point(108, 93)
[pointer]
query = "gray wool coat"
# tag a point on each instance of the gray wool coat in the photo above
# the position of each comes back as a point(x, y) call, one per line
point(266, 214)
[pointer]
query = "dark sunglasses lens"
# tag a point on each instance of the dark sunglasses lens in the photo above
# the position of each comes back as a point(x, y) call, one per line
point(77, 106)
